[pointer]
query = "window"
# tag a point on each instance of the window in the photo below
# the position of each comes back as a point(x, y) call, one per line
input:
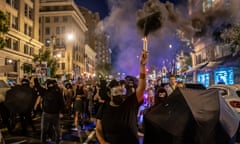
point(13, 3)
point(8, 19)
point(63, 42)
point(9, 43)
point(25, 10)
point(25, 49)
point(25, 28)
point(63, 66)
point(15, 22)
point(8, 2)
point(15, 45)
point(47, 19)
point(65, 18)
point(63, 29)
point(30, 13)
point(57, 30)
point(57, 42)
point(47, 31)
point(56, 19)
point(30, 31)
point(31, 52)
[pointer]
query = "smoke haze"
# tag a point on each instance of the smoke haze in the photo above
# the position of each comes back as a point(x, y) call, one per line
point(126, 37)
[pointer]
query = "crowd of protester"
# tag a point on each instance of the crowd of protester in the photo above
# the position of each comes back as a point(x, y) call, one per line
point(114, 105)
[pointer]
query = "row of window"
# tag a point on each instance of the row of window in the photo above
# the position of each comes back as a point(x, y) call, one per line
point(61, 66)
point(13, 3)
point(58, 43)
point(28, 50)
point(13, 22)
point(55, 19)
point(14, 45)
point(28, 30)
point(28, 11)
point(218, 51)
point(59, 30)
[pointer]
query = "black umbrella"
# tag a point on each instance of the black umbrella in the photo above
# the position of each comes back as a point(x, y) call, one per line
point(19, 99)
point(190, 116)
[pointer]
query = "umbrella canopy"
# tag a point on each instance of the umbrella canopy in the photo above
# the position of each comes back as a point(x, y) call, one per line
point(19, 99)
point(189, 116)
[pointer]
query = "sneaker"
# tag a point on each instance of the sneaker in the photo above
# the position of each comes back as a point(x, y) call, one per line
point(75, 129)
point(140, 134)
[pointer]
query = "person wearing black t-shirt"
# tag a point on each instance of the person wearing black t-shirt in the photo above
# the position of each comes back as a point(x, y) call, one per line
point(117, 119)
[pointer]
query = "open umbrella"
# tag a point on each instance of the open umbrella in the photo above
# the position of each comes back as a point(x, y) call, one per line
point(190, 116)
point(19, 99)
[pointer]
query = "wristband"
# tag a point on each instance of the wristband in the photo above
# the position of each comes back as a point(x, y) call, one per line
point(142, 76)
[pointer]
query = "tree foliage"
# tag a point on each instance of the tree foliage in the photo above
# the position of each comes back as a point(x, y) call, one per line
point(3, 28)
point(51, 62)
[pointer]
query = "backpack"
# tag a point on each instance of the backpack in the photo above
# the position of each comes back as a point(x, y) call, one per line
point(52, 101)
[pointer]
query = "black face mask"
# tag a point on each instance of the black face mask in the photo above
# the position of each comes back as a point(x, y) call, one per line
point(51, 88)
point(118, 99)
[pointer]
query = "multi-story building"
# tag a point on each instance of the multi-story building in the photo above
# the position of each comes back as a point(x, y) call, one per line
point(22, 40)
point(96, 40)
point(210, 59)
point(62, 29)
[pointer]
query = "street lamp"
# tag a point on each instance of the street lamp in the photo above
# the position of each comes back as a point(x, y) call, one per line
point(70, 36)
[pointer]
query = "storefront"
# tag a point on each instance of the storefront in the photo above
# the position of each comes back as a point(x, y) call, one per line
point(224, 76)
point(204, 78)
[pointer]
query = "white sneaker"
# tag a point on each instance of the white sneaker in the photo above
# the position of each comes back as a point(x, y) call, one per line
point(75, 129)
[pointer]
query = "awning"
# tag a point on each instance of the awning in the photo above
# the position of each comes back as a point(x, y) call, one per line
point(197, 67)
point(213, 64)
point(232, 60)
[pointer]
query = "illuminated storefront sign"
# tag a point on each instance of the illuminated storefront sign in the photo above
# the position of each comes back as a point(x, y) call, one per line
point(224, 76)
point(203, 78)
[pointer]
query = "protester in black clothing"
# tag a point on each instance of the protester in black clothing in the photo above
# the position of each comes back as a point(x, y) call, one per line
point(26, 117)
point(38, 91)
point(117, 119)
point(53, 107)
point(130, 87)
point(104, 91)
point(160, 95)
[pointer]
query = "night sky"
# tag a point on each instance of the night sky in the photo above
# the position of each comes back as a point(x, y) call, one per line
point(101, 6)
point(119, 19)
point(95, 6)
point(119, 22)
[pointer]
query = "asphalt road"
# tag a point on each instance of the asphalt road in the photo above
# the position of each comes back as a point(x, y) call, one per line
point(86, 135)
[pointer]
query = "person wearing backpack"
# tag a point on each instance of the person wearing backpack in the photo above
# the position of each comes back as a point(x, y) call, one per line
point(52, 107)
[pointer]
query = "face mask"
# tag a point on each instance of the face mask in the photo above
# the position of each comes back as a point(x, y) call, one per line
point(118, 99)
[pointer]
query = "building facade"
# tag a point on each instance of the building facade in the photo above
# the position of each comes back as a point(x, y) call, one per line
point(95, 38)
point(213, 61)
point(62, 30)
point(22, 40)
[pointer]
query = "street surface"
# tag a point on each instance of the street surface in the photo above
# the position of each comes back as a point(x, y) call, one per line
point(86, 135)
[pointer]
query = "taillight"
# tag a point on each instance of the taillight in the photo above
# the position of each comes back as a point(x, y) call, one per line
point(235, 104)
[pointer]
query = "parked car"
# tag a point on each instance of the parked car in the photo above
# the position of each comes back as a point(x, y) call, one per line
point(231, 93)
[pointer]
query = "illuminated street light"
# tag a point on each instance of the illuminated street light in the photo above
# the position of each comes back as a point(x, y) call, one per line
point(70, 36)
point(170, 46)
point(59, 55)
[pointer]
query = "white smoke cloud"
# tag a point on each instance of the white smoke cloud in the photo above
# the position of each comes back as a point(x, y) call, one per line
point(126, 40)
